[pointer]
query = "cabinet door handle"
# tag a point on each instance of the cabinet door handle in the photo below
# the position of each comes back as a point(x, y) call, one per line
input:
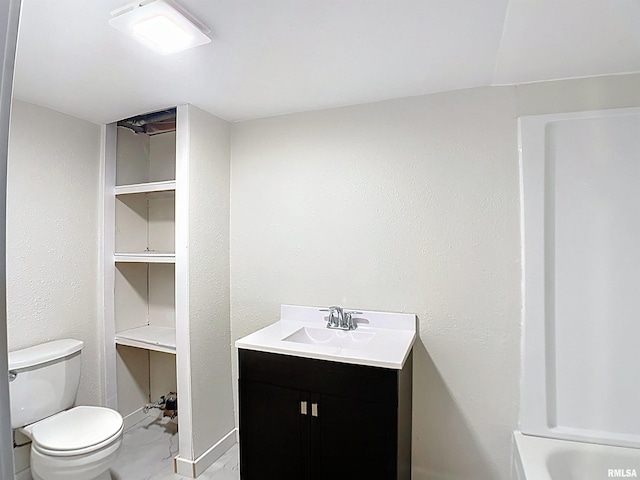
point(303, 408)
point(314, 409)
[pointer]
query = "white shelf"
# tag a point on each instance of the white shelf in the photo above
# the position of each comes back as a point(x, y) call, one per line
point(150, 337)
point(166, 186)
point(145, 257)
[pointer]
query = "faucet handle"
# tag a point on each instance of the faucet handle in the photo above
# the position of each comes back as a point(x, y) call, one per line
point(348, 319)
point(331, 309)
point(336, 316)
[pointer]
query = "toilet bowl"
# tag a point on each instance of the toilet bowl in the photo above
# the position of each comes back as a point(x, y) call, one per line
point(67, 443)
point(77, 444)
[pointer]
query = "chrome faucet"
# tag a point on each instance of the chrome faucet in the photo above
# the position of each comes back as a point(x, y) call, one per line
point(336, 317)
point(341, 319)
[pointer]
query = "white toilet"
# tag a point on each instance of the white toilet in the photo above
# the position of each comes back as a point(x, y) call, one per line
point(78, 443)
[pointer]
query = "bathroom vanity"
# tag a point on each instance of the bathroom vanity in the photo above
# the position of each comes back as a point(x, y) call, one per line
point(319, 404)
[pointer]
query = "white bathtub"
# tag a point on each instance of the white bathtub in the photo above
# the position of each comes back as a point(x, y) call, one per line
point(539, 458)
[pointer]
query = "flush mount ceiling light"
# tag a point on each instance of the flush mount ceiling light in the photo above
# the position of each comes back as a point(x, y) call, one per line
point(161, 25)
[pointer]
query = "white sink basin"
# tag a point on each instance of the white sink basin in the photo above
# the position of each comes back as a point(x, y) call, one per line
point(330, 338)
point(382, 339)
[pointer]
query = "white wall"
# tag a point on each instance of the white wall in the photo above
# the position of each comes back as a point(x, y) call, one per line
point(408, 205)
point(52, 235)
point(207, 248)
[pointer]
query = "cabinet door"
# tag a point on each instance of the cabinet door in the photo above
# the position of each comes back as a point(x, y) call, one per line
point(352, 439)
point(274, 434)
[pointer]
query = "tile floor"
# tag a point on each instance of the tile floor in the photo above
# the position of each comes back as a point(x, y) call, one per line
point(148, 449)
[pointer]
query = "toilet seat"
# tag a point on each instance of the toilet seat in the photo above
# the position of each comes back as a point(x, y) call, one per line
point(77, 431)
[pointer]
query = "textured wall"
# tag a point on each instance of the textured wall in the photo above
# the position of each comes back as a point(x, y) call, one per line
point(52, 235)
point(408, 205)
point(209, 310)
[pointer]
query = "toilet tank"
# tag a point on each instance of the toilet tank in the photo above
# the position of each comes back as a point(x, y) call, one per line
point(43, 380)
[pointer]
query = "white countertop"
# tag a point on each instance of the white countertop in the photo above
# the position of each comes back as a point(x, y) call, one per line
point(388, 348)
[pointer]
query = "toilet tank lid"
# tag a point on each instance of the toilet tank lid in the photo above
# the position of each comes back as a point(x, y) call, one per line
point(43, 353)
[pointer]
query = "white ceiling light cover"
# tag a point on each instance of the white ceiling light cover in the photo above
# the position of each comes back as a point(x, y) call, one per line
point(159, 26)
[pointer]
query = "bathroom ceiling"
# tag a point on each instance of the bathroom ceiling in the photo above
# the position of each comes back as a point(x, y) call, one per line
point(269, 57)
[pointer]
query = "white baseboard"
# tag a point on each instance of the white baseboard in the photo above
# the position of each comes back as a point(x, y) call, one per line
point(193, 468)
point(138, 416)
point(135, 418)
point(24, 475)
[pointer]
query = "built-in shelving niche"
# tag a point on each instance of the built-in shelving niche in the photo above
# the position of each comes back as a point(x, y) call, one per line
point(144, 261)
point(166, 285)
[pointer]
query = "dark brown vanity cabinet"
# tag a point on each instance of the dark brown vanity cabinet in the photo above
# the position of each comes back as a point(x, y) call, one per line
point(307, 419)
